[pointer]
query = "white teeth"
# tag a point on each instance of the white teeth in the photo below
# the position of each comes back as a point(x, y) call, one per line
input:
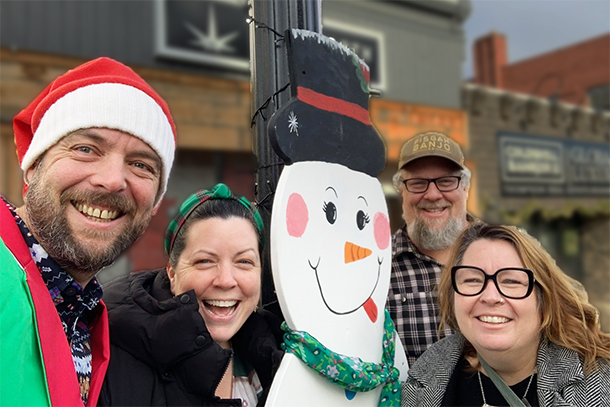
point(96, 212)
point(493, 320)
point(434, 209)
point(218, 303)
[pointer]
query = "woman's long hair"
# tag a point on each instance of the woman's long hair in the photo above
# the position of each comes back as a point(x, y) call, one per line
point(568, 319)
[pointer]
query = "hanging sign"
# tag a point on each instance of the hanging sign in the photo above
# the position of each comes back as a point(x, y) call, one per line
point(212, 32)
point(537, 166)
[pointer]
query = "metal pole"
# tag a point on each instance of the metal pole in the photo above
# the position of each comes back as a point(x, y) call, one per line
point(268, 75)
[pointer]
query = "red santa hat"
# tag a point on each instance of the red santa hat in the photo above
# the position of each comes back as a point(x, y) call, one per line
point(99, 93)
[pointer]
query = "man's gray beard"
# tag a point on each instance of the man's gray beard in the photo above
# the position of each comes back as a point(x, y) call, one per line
point(431, 239)
point(49, 224)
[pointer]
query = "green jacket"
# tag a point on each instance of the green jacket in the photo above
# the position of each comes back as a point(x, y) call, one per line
point(36, 366)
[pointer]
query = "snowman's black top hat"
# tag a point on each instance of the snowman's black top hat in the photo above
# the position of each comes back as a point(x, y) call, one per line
point(327, 118)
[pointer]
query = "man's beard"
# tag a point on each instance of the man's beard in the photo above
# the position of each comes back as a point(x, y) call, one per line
point(428, 238)
point(48, 221)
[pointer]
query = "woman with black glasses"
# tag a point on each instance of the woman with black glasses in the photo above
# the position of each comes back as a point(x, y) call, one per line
point(527, 335)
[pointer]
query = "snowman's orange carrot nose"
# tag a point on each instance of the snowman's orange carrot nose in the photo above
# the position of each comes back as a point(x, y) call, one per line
point(354, 252)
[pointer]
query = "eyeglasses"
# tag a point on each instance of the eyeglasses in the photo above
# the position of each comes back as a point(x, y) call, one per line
point(443, 184)
point(512, 282)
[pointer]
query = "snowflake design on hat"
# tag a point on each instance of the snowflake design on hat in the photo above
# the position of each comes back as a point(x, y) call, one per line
point(293, 123)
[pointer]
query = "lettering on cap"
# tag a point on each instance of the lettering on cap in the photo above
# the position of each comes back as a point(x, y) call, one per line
point(432, 142)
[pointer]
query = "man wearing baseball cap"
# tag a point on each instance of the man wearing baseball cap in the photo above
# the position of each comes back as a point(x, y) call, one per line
point(96, 148)
point(433, 182)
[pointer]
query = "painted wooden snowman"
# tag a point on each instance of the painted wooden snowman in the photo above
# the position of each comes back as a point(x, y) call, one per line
point(330, 236)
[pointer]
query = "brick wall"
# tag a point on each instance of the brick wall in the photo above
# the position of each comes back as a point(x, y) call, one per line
point(490, 57)
point(565, 74)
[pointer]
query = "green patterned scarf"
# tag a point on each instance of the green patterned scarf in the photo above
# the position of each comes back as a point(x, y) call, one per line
point(347, 372)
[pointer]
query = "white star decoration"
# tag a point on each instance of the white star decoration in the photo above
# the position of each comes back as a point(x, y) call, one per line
point(212, 41)
point(293, 123)
point(38, 253)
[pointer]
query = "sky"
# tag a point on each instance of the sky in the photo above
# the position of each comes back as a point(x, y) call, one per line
point(533, 27)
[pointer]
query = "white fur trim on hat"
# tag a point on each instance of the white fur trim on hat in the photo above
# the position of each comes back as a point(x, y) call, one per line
point(111, 105)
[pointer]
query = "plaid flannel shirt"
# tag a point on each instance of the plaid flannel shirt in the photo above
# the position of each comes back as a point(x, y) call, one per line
point(413, 296)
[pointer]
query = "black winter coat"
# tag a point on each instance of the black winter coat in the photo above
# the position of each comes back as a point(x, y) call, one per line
point(162, 353)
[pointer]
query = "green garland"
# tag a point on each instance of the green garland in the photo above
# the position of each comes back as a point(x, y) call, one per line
point(523, 215)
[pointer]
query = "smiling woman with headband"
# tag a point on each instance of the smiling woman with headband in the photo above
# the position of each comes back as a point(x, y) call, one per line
point(190, 334)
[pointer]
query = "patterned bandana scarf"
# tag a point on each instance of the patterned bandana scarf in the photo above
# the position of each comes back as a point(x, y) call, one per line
point(347, 372)
point(75, 305)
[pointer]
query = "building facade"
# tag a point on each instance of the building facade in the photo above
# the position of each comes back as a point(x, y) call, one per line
point(541, 153)
point(575, 74)
point(196, 55)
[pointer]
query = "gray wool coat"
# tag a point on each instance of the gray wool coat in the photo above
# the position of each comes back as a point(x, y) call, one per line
point(561, 380)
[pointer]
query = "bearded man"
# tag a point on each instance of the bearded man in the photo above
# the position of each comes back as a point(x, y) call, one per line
point(433, 183)
point(96, 148)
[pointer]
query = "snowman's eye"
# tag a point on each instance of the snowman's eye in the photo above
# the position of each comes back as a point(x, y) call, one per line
point(331, 212)
point(362, 219)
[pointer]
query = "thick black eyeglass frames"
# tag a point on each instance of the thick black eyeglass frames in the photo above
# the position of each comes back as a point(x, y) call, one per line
point(512, 282)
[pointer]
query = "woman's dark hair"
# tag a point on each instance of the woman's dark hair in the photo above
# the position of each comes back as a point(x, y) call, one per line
point(212, 208)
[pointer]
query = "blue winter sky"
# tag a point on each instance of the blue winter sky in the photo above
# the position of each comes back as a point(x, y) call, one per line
point(535, 26)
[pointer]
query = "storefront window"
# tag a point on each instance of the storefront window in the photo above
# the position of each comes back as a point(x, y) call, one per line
point(561, 238)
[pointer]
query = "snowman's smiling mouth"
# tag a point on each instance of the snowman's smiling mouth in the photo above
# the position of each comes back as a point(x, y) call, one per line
point(366, 300)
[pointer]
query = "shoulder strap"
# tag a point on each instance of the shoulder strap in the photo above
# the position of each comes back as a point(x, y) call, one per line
point(508, 394)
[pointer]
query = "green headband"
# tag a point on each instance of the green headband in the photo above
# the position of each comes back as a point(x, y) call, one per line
point(220, 191)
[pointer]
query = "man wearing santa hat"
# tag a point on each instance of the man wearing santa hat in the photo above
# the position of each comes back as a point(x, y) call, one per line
point(96, 148)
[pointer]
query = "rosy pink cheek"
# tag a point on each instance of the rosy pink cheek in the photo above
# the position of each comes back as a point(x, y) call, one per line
point(381, 230)
point(297, 215)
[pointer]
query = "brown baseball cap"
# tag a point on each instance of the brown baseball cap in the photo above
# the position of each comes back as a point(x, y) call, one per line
point(431, 144)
